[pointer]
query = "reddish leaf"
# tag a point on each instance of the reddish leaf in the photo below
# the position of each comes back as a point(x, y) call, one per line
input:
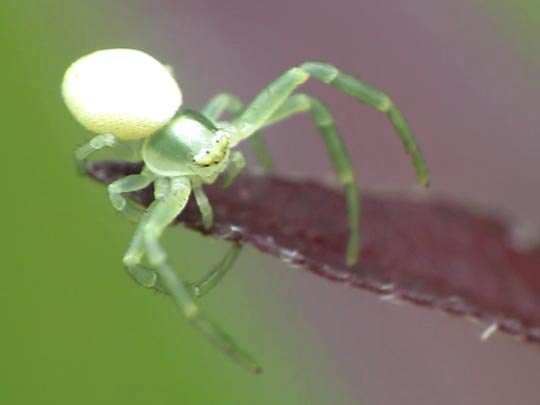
point(426, 251)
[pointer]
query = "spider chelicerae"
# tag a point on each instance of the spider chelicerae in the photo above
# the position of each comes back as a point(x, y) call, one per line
point(125, 95)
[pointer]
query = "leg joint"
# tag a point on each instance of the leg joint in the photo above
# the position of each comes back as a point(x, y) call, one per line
point(322, 71)
point(150, 231)
point(301, 73)
point(191, 312)
point(114, 189)
point(102, 141)
point(130, 260)
point(321, 114)
point(386, 105)
point(347, 177)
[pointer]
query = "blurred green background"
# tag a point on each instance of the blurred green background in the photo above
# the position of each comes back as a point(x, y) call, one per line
point(75, 329)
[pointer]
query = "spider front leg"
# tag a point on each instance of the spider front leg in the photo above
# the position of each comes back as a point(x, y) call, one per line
point(225, 102)
point(265, 108)
point(160, 214)
point(324, 120)
point(375, 98)
point(267, 102)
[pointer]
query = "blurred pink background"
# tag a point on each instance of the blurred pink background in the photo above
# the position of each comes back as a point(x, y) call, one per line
point(470, 95)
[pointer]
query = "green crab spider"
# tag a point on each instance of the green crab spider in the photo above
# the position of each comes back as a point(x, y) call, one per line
point(127, 95)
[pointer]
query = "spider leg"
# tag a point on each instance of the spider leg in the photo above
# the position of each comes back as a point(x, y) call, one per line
point(147, 277)
point(204, 205)
point(93, 145)
point(161, 213)
point(377, 99)
point(214, 109)
point(215, 275)
point(127, 184)
point(324, 121)
point(142, 275)
point(219, 104)
point(225, 102)
point(267, 102)
point(236, 163)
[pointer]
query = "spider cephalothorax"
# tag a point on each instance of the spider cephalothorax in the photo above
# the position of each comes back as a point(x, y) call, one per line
point(189, 145)
point(124, 94)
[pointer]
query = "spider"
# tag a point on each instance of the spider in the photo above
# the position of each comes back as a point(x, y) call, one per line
point(127, 96)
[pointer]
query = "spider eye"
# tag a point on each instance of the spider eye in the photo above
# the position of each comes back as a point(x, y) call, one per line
point(124, 92)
